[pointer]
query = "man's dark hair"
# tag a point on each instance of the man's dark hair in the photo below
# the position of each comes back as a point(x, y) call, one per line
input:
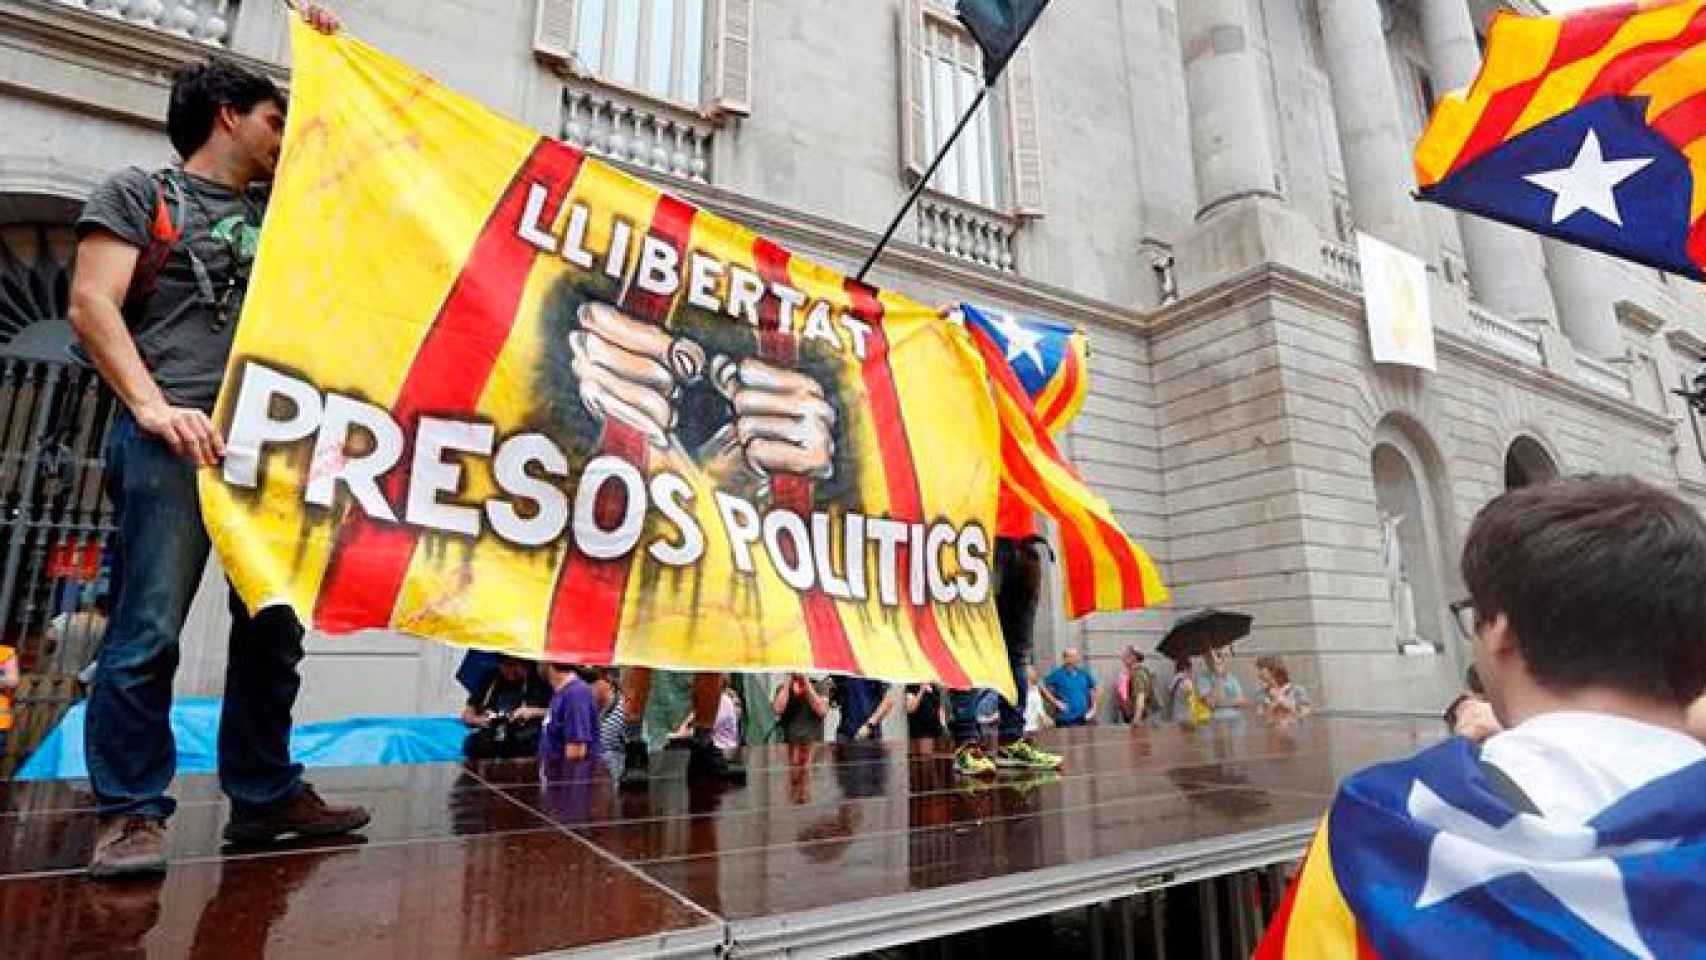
point(1603, 580)
point(200, 89)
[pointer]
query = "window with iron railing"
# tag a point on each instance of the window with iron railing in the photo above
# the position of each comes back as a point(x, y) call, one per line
point(648, 82)
point(991, 180)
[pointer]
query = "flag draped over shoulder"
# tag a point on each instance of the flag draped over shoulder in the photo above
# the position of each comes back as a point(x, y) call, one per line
point(1589, 127)
point(1038, 372)
point(1426, 857)
point(491, 391)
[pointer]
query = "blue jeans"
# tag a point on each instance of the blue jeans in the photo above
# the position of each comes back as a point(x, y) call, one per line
point(1018, 585)
point(160, 553)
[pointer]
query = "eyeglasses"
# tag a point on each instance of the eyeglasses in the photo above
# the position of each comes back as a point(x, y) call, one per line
point(1463, 614)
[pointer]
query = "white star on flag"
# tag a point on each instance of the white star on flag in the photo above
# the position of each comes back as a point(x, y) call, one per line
point(1565, 859)
point(1021, 341)
point(1588, 183)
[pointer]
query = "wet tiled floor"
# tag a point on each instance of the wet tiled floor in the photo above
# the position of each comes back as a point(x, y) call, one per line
point(491, 859)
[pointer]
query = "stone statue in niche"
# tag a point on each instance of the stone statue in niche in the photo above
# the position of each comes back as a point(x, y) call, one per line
point(1398, 580)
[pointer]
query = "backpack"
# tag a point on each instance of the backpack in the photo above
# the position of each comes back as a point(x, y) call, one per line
point(165, 230)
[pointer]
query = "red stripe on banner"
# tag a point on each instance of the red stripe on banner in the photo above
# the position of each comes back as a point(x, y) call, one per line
point(371, 558)
point(1683, 123)
point(1586, 33)
point(1622, 72)
point(1501, 113)
point(906, 502)
point(831, 650)
point(1365, 947)
point(586, 606)
point(1074, 538)
point(1080, 568)
point(1580, 36)
point(1068, 390)
point(1697, 243)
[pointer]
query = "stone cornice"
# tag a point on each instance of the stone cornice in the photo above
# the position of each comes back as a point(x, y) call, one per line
point(124, 51)
point(1276, 281)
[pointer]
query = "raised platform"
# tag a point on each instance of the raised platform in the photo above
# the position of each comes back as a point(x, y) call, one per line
point(825, 850)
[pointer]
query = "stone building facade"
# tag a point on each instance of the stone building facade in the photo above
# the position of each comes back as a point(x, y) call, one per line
point(1184, 179)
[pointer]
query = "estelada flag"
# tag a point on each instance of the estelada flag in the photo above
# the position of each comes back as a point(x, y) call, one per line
point(1444, 856)
point(1039, 373)
point(1589, 127)
point(1051, 360)
point(491, 391)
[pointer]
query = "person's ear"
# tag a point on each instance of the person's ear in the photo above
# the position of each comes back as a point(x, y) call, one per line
point(1498, 636)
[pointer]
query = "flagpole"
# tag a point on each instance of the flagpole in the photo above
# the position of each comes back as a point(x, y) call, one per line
point(918, 188)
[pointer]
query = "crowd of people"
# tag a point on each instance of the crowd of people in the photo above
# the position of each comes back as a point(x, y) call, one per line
point(516, 710)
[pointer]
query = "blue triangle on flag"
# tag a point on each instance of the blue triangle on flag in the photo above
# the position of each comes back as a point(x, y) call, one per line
point(1652, 202)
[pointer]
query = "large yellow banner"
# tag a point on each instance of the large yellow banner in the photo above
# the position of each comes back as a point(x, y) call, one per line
point(491, 391)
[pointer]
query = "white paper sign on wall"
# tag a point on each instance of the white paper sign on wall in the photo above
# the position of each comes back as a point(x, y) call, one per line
point(1395, 292)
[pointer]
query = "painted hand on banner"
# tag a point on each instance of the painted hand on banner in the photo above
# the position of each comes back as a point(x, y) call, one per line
point(782, 421)
point(633, 372)
point(629, 371)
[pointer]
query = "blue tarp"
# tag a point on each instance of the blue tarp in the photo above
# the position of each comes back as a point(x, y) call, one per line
point(356, 742)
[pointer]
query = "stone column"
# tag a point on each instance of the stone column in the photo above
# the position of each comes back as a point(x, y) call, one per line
point(1230, 126)
point(1506, 266)
point(1371, 133)
point(1586, 288)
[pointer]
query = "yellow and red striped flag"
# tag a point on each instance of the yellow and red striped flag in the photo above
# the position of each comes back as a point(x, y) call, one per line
point(1589, 127)
point(491, 391)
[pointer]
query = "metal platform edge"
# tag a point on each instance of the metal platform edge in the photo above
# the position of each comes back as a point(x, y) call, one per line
point(906, 918)
point(705, 942)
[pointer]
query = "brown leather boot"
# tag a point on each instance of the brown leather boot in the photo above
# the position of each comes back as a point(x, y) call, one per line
point(129, 845)
point(304, 815)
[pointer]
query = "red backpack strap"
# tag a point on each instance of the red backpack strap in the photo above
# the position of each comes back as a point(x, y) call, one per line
point(164, 232)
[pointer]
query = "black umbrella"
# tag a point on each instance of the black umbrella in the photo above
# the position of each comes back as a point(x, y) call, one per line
point(1201, 632)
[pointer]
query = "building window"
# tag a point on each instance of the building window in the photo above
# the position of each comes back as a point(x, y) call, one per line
point(654, 46)
point(692, 54)
point(991, 179)
point(647, 83)
point(953, 69)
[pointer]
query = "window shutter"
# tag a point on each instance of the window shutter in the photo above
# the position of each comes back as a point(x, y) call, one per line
point(554, 31)
point(1025, 128)
point(914, 119)
point(732, 93)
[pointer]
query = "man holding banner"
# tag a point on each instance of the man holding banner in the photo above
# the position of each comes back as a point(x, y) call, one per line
point(162, 267)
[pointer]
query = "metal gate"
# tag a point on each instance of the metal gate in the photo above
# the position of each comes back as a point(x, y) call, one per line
point(55, 524)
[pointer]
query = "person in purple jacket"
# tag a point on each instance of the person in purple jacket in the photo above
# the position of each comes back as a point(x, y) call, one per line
point(571, 725)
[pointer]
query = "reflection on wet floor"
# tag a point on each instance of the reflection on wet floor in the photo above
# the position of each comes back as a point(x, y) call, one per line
point(489, 859)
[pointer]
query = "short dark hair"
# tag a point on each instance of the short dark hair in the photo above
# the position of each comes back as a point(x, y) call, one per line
point(1275, 666)
point(200, 89)
point(1603, 582)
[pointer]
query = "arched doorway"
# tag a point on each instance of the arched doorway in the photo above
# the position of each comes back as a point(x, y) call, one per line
point(1405, 480)
point(1527, 463)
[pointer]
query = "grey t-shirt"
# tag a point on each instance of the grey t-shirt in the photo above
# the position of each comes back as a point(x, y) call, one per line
point(184, 338)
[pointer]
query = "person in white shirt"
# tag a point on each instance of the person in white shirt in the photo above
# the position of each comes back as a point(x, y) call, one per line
point(1589, 633)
